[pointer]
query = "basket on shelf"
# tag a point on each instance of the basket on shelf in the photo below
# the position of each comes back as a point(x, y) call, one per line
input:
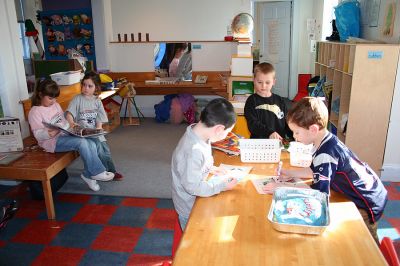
point(300, 154)
point(260, 150)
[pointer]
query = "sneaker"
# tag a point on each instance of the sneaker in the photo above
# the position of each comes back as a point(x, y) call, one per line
point(104, 176)
point(118, 177)
point(91, 183)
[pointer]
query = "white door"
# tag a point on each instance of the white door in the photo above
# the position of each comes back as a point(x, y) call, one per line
point(275, 42)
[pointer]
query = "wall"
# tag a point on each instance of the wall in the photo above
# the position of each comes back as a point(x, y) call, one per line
point(391, 162)
point(13, 86)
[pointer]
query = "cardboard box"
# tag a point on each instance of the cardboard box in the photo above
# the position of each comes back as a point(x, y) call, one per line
point(10, 135)
point(242, 66)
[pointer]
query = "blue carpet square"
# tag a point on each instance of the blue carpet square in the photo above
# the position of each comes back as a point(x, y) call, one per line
point(386, 229)
point(4, 189)
point(77, 235)
point(105, 200)
point(392, 209)
point(130, 216)
point(95, 257)
point(12, 228)
point(155, 242)
point(19, 254)
point(165, 204)
point(64, 210)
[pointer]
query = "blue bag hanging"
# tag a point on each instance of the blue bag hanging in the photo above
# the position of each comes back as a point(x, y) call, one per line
point(318, 90)
point(348, 19)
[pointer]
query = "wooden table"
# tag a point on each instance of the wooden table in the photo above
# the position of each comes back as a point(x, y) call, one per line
point(232, 229)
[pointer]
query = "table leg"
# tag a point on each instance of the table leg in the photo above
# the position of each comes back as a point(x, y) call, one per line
point(48, 199)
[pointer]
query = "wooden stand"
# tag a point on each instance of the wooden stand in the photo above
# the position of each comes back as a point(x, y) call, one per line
point(130, 120)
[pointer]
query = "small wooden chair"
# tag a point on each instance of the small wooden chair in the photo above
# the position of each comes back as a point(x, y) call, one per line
point(389, 252)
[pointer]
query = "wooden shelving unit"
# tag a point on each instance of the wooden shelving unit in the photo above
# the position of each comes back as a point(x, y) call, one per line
point(363, 77)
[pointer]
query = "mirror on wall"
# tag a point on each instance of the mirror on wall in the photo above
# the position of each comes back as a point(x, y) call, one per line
point(173, 60)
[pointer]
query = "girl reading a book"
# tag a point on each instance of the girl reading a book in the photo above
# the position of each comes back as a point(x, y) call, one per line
point(86, 110)
point(45, 109)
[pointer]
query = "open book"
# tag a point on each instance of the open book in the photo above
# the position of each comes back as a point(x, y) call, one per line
point(268, 184)
point(229, 145)
point(78, 131)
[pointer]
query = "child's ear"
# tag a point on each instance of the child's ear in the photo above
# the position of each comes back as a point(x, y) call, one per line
point(314, 128)
point(219, 128)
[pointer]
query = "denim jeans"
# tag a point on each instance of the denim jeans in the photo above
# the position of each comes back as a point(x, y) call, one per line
point(183, 221)
point(87, 151)
point(104, 153)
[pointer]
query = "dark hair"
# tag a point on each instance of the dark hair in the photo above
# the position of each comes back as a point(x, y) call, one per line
point(96, 80)
point(218, 112)
point(264, 68)
point(309, 111)
point(44, 87)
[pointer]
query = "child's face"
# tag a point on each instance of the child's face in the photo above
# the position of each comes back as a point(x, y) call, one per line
point(88, 87)
point(263, 83)
point(48, 101)
point(301, 134)
point(220, 133)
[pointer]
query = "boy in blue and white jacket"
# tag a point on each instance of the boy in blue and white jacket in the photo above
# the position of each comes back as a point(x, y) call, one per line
point(334, 165)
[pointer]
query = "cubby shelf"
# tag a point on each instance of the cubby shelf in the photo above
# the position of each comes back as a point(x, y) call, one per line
point(363, 77)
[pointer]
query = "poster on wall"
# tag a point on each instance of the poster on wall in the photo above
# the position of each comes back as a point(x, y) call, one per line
point(68, 29)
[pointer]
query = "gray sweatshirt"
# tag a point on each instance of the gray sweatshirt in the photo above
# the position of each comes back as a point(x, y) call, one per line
point(191, 164)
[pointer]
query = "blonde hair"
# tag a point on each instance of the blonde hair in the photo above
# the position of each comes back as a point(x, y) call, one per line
point(309, 111)
point(264, 68)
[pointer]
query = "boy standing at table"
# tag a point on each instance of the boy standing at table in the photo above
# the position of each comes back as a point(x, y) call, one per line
point(192, 159)
point(334, 165)
point(265, 111)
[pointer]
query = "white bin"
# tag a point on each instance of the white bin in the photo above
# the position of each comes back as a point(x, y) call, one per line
point(66, 78)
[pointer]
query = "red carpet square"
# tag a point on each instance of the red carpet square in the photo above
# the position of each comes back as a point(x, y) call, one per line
point(74, 198)
point(30, 213)
point(139, 202)
point(61, 256)
point(161, 219)
point(395, 222)
point(147, 260)
point(39, 232)
point(94, 214)
point(117, 238)
point(393, 192)
point(2, 243)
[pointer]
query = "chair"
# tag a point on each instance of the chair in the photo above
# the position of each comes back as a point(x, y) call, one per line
point(177, 235)
point(389, 252)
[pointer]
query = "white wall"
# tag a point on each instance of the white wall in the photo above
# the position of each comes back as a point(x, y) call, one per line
point(176, 20)
point(30, 8)
point(13, 86)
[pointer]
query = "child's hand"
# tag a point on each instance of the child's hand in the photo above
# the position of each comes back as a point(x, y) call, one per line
point(53, 132)
point(285, 175)
point(275, 135)
point(218, 170)
point(230, 182)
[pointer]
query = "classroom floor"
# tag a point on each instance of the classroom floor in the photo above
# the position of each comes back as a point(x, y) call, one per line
point(108, 230)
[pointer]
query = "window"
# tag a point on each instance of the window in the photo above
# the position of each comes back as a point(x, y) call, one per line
point(24, 41)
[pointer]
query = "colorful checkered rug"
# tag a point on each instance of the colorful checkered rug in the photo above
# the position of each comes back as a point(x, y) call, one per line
point(107, 230)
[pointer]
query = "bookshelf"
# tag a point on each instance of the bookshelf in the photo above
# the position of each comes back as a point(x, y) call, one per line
point(363, 77)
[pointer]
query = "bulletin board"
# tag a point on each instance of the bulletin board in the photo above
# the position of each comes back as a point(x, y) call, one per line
point(66, 29)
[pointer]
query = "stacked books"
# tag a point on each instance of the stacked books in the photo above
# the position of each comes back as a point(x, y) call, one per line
point(229, 145)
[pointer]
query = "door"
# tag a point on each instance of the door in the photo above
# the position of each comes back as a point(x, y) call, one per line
point(275, 41)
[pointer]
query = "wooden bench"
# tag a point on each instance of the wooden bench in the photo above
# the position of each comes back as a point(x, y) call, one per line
point(39, 165)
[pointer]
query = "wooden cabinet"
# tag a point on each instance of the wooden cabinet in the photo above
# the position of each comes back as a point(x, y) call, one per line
point(363, 77)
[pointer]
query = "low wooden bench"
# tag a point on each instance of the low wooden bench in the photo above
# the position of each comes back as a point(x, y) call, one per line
point(38, 165)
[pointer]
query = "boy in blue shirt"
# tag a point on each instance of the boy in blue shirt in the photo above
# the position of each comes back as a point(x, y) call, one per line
point(192, 160)
point(334, 165)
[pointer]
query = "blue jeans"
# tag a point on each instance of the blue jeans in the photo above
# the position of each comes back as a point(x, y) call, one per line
point(104, 153)
point(183, 221)
point(87, 151)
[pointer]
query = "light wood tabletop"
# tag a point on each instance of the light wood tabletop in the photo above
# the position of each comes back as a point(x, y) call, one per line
point(232, 229)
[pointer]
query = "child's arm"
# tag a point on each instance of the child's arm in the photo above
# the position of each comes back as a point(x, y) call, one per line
point(101, 115)
point(286, 174)
point(70, 119)
point(40, 132)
